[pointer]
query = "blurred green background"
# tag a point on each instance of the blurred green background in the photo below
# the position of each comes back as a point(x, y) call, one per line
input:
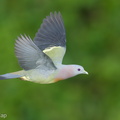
point(93, 41)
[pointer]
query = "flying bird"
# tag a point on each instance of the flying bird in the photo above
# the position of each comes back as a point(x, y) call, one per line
point(41, 58)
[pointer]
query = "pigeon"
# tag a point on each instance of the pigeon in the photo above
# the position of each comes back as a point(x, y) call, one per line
point(41, 58)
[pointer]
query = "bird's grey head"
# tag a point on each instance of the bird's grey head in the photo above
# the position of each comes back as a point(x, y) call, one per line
point(79, 70)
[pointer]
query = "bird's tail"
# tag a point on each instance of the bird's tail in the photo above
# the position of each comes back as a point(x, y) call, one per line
point(11, 75)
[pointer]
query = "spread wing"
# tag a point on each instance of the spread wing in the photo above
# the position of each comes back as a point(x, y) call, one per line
point(30, 56)
point(51, 37)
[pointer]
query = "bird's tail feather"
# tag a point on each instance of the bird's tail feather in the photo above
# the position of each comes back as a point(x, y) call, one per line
point(10, 75)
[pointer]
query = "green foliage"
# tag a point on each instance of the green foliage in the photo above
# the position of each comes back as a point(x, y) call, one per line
point(93, 41)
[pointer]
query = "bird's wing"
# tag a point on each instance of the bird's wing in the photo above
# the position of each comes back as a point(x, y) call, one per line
point(30, 56)
point(51, 37)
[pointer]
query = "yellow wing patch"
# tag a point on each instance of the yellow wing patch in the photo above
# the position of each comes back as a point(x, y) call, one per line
point(56, 53)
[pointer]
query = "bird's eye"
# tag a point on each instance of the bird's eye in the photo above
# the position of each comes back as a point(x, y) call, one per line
point(78, 69)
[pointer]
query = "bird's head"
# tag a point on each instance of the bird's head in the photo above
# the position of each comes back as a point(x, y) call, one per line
point(67, 71)
point(77, 69)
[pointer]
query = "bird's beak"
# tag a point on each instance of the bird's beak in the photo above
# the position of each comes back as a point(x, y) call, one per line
point(85, 72)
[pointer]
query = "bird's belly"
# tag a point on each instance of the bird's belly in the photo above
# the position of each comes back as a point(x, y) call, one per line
point(39, 76)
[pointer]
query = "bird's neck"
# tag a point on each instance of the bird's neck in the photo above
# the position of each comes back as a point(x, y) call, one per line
point(64, 72)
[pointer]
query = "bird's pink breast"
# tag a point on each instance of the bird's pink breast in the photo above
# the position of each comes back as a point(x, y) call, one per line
point(64, 73)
